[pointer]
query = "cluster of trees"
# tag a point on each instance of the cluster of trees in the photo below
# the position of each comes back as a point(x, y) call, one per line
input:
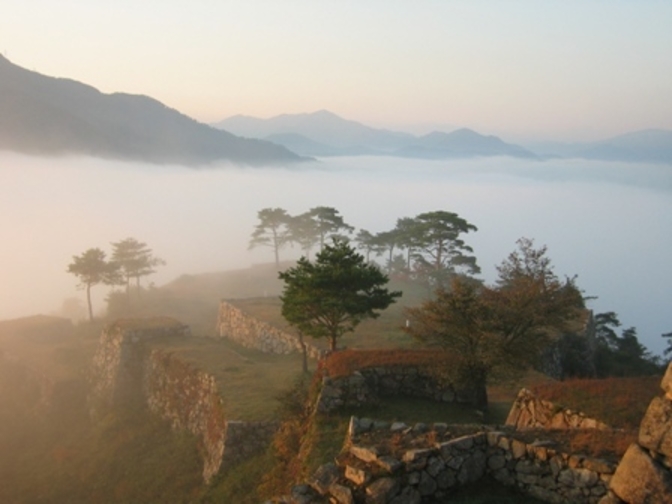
point(490, 327)
point(502, 327)
point(130, 261)
point(428, 246)
point(276, 229)
point(608, 353)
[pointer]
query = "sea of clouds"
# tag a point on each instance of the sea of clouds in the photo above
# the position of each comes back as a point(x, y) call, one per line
point(608, 223)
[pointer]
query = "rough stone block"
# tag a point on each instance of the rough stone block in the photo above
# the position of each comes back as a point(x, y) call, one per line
point(356, 475)
point(639, 479)
point(341, 494)
point(427, 485)
point(418, 457)
point(325, 476)
point(496, 462)
point(504, 476)
point(518, 449)
point(666, 383)
point(413, 478)
point(544, 494)
point(582, 478)
point(473, 468)
point(390, 464)
point(655, 431)
point(528, 467)
point(598, 465)
point(420, 428)
point(462, 443)
point(382, 491)
point(493, 437)
point(454, 462)
point(365, 453)
point(610, 498)
point(434, 466)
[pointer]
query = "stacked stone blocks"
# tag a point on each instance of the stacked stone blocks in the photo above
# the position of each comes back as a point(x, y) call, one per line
point(373, 474)
point(238, 326)
point(127, 372)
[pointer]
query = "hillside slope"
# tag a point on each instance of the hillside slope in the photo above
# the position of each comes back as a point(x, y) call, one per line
point(51, 116)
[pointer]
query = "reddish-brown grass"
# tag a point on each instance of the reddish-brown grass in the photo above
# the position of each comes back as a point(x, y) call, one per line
point(618, 402)
point(345, 362)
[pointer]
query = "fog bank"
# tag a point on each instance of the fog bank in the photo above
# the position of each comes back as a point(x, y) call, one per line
point(609, 223)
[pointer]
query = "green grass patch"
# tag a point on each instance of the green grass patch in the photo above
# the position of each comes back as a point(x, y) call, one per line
point(239, 484)
point(249, 381)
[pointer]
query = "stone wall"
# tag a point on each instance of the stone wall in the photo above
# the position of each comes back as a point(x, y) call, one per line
point(369, 385)
point(118, 364)
point(644, 474)
point(236, 325)
point(189, 400)
point(127, 371)
point(426, 464)
point(530, 412)
point(413, 465)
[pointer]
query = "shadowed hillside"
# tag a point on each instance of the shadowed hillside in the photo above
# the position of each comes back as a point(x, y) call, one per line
point(50, 116)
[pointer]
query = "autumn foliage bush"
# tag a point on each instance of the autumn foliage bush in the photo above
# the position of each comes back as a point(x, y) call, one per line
point(346, 362)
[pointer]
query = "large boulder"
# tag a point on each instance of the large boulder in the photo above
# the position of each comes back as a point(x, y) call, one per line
point(641, 480)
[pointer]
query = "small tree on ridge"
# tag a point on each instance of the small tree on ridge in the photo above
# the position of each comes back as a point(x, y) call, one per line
point(331, 296)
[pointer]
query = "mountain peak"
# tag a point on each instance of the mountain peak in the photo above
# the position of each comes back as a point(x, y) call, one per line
point(323, 133)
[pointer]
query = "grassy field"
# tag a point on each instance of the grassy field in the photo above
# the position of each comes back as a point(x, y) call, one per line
point(249, 381)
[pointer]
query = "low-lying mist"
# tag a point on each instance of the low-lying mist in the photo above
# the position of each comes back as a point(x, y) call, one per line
point(608, 223)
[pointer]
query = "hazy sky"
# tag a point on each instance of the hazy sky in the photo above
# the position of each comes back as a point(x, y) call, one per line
point(527, 69)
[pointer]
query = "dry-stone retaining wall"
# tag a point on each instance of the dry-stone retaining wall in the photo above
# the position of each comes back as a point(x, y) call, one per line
point(128, 372)
point(644, 474)
point(435, 463)
point(236, 325)
point(118, 364)
point(189, 400)
point(368, 385)
point(530, 412)
point(34, 385)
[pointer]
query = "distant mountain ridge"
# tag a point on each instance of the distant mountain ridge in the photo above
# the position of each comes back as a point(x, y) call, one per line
point(324, 133)
point(652, 145)
point(52, 116)
point(644, 146)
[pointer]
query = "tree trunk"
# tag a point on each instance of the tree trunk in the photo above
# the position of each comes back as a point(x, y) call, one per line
point(304, 351)
point(332, 342)
point(88, 300)
point(128, 291)
point(479, 378)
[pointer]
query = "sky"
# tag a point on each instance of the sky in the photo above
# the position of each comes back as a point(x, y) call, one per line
point(526, 70)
